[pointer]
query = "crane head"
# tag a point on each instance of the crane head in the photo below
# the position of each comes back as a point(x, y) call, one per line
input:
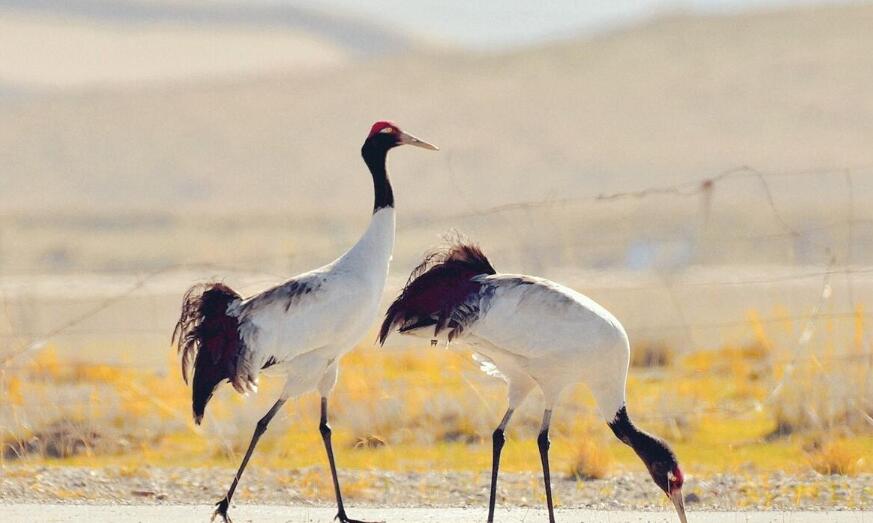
point(668, 476)
point(658, 457)
point(390, 135)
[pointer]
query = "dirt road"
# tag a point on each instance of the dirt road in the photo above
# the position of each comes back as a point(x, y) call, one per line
point(280, 514)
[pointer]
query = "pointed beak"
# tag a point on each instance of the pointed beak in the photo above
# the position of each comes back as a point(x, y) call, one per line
point(679, 502)
point(408, 139)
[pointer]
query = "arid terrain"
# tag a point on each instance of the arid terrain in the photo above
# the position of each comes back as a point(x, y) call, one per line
point(706, 178)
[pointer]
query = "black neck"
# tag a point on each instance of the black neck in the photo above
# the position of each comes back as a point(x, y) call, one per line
point(645, 445)
point(375, 151)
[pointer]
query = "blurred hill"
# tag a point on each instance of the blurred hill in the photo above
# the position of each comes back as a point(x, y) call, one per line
point(233, 153)
point(678, 98)
point(52, 44)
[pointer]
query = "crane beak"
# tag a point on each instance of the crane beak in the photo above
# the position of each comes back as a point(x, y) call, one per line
point(679, 502)
point(408, 139)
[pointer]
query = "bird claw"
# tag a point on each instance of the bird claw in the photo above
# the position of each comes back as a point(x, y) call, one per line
point(221, 510)
point(342, 518)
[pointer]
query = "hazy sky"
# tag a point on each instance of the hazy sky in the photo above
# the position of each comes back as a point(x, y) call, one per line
point(501, 23)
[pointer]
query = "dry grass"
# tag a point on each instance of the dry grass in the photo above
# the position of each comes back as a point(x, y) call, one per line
point(824, 388)
point(838, 456)
point(655, 354)
point(431, 409)
point(592, 461)
point(63, 438)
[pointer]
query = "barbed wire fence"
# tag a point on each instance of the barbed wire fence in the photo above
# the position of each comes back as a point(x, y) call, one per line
point(18, 345)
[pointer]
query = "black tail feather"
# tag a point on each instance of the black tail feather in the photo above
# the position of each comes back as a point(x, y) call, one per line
point(440, 283)
point(207, 338)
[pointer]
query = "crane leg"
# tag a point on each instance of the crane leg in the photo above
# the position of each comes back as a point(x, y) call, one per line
point(222, 506)
point(324, 428)
point(543, 444)
point(497, 441)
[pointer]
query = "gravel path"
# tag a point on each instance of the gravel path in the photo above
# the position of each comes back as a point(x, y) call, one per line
point(276, 514)
point(311, 487)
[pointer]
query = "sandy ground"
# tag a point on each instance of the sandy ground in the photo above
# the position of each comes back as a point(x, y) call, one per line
point(46, 486)
point(267, 513)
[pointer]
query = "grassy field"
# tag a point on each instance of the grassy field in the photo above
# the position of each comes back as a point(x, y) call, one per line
point(749, 409)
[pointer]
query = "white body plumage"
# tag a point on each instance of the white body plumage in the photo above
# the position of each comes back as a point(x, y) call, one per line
point(534, 332)
point(306, 324)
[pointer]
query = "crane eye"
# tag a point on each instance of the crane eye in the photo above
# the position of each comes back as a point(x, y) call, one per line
point(387, 130)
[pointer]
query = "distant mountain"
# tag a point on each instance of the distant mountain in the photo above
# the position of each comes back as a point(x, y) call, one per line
point(83, 44)
point(355, 35)
point(676, 99)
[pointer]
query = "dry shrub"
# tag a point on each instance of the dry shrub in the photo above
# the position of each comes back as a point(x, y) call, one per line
point(592, 461)
point(652, 355)
point(70, 437)
point(820, 385)
point(374, 414)
point(370, 441)
point(837, 457)
point(457, 428)
point(824, 396)
point(450, 419)
point(61, 439)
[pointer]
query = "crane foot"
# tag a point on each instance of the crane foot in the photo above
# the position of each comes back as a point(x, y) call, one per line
point(221, 510)
point(342, 518)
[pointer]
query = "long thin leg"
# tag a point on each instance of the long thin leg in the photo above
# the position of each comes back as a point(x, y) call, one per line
point(259, 429)
point(543, 444)
point(324, 428)
point(497, 441)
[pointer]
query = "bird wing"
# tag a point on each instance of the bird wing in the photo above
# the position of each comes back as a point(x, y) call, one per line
point(298, 316)
point(450, 318)
point(285, 295)
point(441, 293)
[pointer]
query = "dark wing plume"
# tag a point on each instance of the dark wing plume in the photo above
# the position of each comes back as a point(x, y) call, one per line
point(437, 291)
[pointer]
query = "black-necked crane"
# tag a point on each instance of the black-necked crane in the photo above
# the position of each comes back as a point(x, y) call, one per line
point(299, 329)
point(532, 332)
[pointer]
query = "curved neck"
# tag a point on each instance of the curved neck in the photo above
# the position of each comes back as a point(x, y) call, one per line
point(373, 249)
point(375, 151)
point(645, 445)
